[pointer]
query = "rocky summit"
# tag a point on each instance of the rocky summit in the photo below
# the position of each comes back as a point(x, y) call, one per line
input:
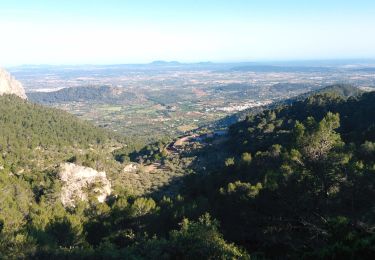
point(9, 85)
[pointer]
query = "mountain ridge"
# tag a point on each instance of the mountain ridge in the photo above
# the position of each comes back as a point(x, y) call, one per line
point(342, 90)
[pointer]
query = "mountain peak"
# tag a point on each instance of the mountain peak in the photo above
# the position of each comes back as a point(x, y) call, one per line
point(164, 63)
point(9, 85)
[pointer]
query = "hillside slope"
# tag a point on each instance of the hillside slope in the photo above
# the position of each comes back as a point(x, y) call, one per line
point(296, 180)
point(52, 205)
point(101, 94)
point(39, 125)
point(292, 182)
point(34, 141)
point(26, 127)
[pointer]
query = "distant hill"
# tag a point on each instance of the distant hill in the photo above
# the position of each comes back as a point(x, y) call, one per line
point(354, 106)
point(342, 90)
point(165, 63)
point(106, 94)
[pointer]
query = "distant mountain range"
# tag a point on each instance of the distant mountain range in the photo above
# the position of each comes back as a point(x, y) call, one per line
point(163, 63)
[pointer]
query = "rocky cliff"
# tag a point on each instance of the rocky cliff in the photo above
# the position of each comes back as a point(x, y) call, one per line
point(9, 85)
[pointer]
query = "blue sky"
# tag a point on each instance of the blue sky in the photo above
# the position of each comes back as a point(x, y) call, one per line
point(138, 31)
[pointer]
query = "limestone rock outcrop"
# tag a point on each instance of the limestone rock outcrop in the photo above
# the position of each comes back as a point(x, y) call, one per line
point(9, 85)
point(80, 182)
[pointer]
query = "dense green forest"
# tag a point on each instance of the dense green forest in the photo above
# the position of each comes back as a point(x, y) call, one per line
point(30, 125)
point(297, 181)
point(33, 136)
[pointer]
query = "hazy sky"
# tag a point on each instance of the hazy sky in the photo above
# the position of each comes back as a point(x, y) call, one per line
point(137, 31)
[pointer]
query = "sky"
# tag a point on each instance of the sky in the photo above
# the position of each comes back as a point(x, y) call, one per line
point(141, 31)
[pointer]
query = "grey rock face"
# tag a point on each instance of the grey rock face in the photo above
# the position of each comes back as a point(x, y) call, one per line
point(9, 85)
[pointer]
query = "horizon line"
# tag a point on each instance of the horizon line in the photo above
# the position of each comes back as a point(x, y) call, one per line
point(177, 62)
